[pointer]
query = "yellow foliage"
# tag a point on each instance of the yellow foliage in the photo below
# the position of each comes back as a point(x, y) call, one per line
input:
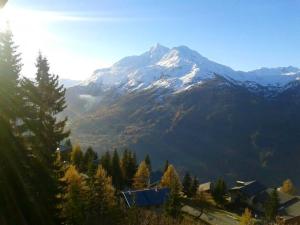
point(288, 187)
point(106, 188)
point(141, 177)
point(246, 218)
point(171, 179)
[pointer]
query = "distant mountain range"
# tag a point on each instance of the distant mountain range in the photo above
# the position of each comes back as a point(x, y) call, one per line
point(206, 117)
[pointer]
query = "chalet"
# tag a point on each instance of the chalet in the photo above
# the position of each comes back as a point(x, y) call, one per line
point(154, 197)
point(245, 192)
point(205, 188)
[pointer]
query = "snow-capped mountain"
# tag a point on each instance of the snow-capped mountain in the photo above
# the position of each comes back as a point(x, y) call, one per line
point(180, 68)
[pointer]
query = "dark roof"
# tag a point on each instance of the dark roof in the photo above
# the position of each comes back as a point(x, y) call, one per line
point(250, 188)
point(147, 197)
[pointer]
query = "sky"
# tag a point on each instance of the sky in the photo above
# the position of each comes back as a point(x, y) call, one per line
point(81, 36)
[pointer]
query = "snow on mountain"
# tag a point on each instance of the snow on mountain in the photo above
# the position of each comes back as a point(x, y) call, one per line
point(180, 68)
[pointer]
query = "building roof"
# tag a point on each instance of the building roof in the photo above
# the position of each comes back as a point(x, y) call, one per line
point(205, 187)
point(249, 188)
point(292, 209)
point(146, 197)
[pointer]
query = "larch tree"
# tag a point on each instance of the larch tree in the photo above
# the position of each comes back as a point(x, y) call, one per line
point(171, 180)
point(141, 178)
point(288, 187)
point(102, 200)
point(75, 197)
point(246, 218)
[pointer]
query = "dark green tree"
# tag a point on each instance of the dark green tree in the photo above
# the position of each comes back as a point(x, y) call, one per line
point(117, 177)
point(194, 187)
point(148, 162)
point(166, 166)
point(90, 158)
point(219, 192)
point(172, 206)
point(106, 162)
point(271, 206)
point(187, 184)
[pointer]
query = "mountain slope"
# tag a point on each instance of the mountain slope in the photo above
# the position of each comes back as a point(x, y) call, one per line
point(216, 124)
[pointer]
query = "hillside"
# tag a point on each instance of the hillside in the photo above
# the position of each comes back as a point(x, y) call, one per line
point(215, 125)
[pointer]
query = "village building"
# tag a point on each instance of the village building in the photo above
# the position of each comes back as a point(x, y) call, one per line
point(154, 197)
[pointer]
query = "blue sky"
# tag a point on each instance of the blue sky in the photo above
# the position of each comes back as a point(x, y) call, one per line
point(81, 36)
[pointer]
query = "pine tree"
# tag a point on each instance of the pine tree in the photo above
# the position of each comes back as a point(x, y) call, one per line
point(10, 67)
point(288, 187)
point(49, 100)
point(106, 163)
point(271, 206)
point(166, 166)
point(187, 185)
point(117, 177)
point(219, 192)
point(195, 185)
point(171, 180)
point(172, 206)
point(148, 162)
point(129, 167)
point(77, 157)
point(75, 197)
point(24, 199)
point(246, 218)
point(141, 178)
point(89, 161)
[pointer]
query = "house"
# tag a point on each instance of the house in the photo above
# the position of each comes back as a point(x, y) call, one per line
point(245, 192)
point(205, 188)
point(254, 195)
point(154, 197)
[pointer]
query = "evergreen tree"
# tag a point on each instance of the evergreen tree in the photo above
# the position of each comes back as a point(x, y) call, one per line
point(10, 67)
point(219, 192)
point(172, 206)
point(171, 180)
point(49, 100)
point(195, 185)
point(23, 178)
point(187, 185)
point(288, 187)
point(106, 163)
point(77, 157)
point(148, 162)
point(166, 166)
point(129, 167)
point(117, 177)
point(271, 206)
point(75, 197)
point(89, 161)
point(141, 178)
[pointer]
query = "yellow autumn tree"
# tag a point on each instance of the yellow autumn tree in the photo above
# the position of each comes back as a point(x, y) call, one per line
point(74, 199)
point(141, 177)
point(246, 218)
point(104, 190)
point(171, 179)
point(288, 187)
